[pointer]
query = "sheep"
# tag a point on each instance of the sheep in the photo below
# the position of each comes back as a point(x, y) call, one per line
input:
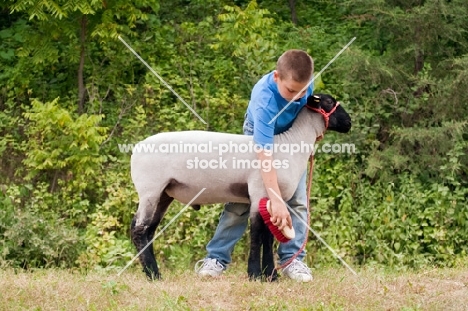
point(161, 177)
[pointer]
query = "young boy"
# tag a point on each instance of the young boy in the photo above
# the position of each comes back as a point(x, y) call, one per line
point(273, 92)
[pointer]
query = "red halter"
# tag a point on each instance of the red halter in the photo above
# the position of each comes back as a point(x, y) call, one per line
point(325, 115)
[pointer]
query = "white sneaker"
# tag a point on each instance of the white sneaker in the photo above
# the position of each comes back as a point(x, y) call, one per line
point(297, 270)
point(209, 267)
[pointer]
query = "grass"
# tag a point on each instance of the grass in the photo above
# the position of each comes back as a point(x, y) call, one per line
point(332, 289)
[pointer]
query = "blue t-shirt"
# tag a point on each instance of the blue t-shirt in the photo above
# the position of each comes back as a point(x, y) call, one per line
point(265, 104)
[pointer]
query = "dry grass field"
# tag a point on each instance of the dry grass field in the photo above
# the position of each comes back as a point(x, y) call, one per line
point(332, 289)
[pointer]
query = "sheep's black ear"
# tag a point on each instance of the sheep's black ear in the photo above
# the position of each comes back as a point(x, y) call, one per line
point(313, 101)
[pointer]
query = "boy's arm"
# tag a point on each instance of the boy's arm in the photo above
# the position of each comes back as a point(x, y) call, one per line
point(280, 216)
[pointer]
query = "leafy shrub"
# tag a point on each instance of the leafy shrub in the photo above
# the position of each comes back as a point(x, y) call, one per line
point(107, 239)
point(395, 224)
point(32, 238)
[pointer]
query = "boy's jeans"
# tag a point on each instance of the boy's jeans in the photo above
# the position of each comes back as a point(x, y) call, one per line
point(234, 220)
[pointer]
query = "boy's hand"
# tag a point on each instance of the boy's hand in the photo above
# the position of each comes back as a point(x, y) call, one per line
point(280, 216)
point(279, 212)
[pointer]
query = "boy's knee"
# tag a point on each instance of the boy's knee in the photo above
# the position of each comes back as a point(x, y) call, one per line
point(239, 209)
point(298, 202)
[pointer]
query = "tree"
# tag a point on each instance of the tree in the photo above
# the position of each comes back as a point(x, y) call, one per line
point(65, 27)
point(408, 52)
point(292, 6)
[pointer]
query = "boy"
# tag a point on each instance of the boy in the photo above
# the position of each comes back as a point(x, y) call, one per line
point(273, 92)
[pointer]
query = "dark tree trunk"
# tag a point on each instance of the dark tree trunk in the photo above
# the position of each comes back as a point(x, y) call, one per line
point(292, 6)
point(81, 87)
point(418, 62)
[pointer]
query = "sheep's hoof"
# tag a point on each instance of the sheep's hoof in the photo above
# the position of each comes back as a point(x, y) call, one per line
point(255, 278)
point(154, 278)
point(151, 276)
point(264, 278)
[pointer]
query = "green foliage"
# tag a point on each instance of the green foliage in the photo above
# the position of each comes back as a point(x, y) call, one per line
point(248, 35)
point(33, 235)
point(58, 10)
point(108, 245)
point(62, 146)
point(402, 224)
point(105, 249)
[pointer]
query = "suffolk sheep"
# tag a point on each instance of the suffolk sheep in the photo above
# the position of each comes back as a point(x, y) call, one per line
point(181, 164)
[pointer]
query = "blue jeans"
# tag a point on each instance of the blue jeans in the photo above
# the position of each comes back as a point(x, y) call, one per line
point(234, 220)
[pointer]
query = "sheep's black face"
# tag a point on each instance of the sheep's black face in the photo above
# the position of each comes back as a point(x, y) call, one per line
point(339, 120)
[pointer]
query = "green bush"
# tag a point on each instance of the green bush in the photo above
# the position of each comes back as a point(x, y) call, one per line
point(395, 224)
point(32, 238)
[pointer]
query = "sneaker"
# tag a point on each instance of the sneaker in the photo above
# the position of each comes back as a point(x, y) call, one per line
point(297, 270)
point(209, 267)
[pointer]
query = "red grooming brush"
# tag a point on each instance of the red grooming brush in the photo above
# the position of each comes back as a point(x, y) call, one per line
point(265, 211)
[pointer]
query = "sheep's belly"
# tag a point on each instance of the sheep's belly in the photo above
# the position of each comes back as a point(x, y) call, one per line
point(220, 185)
point(210, 195)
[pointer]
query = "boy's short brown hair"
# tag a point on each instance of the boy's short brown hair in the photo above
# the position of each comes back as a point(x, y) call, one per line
point(295, 64)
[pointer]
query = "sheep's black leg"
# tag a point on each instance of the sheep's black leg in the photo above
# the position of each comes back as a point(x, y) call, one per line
point(143, 232)
point(268, 261)
point(147, 260)
point(256, 236)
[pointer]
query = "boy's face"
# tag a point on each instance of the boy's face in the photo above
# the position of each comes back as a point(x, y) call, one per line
point(288, 88)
